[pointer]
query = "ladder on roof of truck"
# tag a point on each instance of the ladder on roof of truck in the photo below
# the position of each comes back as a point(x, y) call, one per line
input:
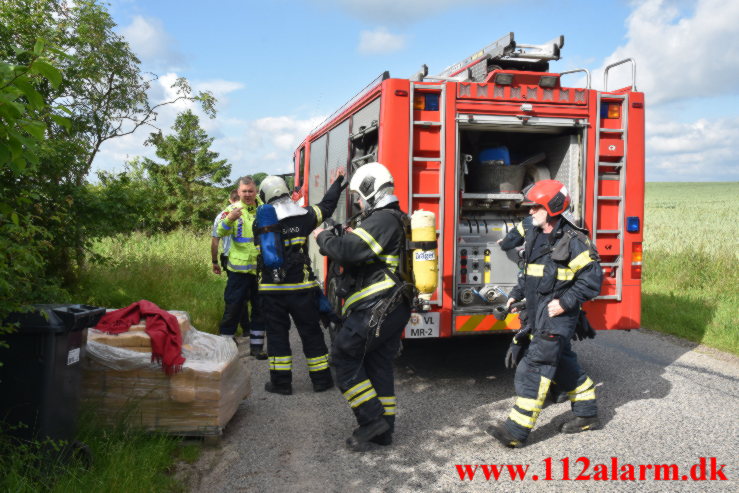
point(415, 161)
point(475, 67)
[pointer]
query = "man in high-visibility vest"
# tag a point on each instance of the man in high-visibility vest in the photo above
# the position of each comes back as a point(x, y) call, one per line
point(242, 269)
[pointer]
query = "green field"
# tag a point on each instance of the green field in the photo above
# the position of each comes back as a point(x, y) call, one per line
point(691, 262)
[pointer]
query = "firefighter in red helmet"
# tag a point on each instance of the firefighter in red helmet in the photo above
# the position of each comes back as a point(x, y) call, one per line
point(561, 272)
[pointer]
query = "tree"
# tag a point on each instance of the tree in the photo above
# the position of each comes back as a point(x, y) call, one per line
point(23, 111)
point(106, 97)
point(129, 198)
point(258, 177)
point(189, 175)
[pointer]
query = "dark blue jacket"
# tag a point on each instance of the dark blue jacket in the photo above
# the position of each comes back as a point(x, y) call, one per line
point(561, 265)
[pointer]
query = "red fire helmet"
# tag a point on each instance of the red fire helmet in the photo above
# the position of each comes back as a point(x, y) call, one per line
point(550, 194)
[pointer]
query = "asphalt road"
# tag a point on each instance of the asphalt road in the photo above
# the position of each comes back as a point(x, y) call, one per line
point(662, 401)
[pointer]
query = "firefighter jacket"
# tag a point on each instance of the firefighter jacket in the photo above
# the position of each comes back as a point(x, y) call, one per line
point(515, 237)
point(561, 265)
point(366, 254)
point(298, 274)
point(242, 255)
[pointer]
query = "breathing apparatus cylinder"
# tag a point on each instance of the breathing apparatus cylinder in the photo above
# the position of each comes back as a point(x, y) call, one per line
point(270, 238)
point(425, 260)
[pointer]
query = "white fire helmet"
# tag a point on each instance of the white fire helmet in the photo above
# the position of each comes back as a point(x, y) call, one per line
point(369, 180)
point(271, 188)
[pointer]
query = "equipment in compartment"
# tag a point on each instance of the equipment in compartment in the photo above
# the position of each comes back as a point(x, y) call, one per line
point(533, 154)
point(485, 273)
point(496, 176)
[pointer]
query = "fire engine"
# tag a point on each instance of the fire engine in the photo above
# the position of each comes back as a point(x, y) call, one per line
point(465, 143)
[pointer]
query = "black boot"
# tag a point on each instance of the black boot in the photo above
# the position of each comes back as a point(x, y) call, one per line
point(386, 438)
point(383, 439)
point(501, 433)
point(579, 424)
point(360, 439)
point(323, 386)
point(286, 389)
point(257, 352)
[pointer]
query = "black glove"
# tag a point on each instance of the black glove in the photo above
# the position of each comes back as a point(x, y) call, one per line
point(515, 350)
point(583, 329)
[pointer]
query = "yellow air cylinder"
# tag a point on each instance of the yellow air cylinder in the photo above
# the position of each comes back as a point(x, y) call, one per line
point(425, 262)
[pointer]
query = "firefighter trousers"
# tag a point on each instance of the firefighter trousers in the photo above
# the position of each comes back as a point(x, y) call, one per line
point(548, 359)
point(241, 289)
point(364, 363)
point(301, 306)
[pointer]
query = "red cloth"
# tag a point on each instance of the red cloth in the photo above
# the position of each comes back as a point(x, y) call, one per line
point(162, 327)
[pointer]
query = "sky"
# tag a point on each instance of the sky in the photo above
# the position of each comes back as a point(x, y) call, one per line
point(279, 67)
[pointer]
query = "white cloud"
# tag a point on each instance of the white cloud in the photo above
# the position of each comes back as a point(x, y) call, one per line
point(685, 58)
point(680, 54)
point(281, 132)
point(703, 150)
point(114, 153)
point(219, 87)
point(380, 41)
point(151, 43)
point(266, 144)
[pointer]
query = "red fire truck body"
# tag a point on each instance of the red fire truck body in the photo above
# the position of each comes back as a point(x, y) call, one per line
point(434, 135)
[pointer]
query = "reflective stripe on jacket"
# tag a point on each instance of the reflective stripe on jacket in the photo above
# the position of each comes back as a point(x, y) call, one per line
point(515, 236)
point(365, 254)
point(242, 255)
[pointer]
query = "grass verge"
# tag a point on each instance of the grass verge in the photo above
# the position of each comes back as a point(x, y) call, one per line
point(124, 460)
point(693, 295)
point(173, 271)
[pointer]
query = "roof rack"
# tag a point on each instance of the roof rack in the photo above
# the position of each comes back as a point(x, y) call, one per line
point(504, 53)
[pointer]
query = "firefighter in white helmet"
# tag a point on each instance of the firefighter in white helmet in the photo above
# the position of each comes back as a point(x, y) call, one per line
point(561, 272)
point(376, 306)
point(294, 294)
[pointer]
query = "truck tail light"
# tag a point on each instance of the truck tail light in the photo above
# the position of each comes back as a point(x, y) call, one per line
point(429, 102)
point(632, 224)
point(610, 110)
point(636, 260)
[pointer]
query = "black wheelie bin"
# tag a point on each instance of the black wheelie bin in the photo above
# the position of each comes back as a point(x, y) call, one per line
point(40, 373)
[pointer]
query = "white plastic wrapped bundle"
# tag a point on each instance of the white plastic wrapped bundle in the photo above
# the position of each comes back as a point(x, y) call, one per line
point(122, 382)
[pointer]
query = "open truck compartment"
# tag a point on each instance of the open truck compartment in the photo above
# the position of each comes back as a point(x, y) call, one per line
point(496, 163)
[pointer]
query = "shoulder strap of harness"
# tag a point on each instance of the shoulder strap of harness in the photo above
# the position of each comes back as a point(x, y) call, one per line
point(404, 286)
